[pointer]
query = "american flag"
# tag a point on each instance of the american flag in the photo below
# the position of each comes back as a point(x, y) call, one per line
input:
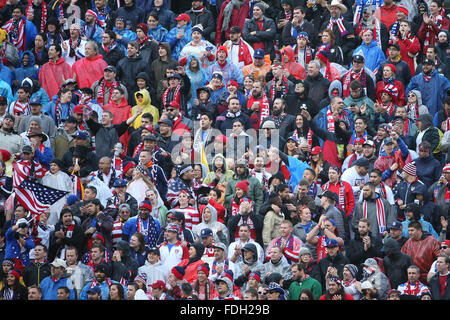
point(37, 197)
point(174, 189)
point(31, 194)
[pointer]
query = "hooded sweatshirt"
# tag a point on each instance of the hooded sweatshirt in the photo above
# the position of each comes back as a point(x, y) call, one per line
point(294, 68)
point(147, 108)
point(254, 266)
point(29, 70)
point(219, 236)
point(191, 264)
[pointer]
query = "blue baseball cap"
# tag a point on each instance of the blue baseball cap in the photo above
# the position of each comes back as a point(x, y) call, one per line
point(80, 135)
point(395, 225)
point(206, 233)
point(331, 243)
point(35, 100)
point(120, 183)
point(96, 290)
point(259, 54)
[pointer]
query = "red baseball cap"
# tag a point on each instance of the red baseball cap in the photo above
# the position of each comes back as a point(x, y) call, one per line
point(184, 17)
point(175, 104)
point(78, 109)
point(316, 150)
point(446, 243)
point(359, 140)
point(158, 285)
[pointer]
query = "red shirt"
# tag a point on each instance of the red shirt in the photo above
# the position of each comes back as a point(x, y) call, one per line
point(259, 45)
point(388, 15)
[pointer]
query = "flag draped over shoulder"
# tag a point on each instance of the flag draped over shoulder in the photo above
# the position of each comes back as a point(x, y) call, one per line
point(32, 195)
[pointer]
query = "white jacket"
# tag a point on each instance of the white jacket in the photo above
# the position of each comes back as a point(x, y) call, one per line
point(154, 272)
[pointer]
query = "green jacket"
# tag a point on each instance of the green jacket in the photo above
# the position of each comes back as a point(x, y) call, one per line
point(309, 283)
point(254, 191)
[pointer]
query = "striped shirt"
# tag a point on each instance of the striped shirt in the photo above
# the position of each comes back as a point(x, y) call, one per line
point(191, 216)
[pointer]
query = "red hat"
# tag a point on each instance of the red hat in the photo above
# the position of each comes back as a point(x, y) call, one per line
point(175, 104)
point(316, 150)
point(128, 165)
point(359, 140)
point(158, 285)
point(178, 272)
point(146, 204)
point(403, 9)
point(221, 138)
point(232, 83)
point(150, 129)
point(78, 109)
point(393, 68)
point(243, 185)
point(446, 168)
point(410, 169)
point(5, 154)
point(143, 27)
point(446, 243)
point(184, 17)
point(322, 56)
point(222, 48)
point(205, 268)
point(256, 275)
point(14, 273)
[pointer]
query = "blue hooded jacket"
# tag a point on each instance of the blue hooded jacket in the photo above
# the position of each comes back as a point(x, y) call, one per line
point(373, 55)
point(6, 74)
point(176, 45)
point(159, 33)
point(198, 79)
point(127, 36)
point(29, 71)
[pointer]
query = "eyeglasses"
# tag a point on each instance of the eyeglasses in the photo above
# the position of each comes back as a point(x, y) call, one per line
point(444, 247)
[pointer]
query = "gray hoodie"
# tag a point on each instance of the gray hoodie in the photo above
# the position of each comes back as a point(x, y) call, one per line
point(219, 236)
point(422, 108)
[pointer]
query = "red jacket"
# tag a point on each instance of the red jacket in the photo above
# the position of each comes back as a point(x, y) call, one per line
point(433, 32)
point(121, 112)
point(423, 252)
point(52, 75)
point(237, 19)
point(410, 45)
point(190, 274)
point(89, 70)
point(349, 198)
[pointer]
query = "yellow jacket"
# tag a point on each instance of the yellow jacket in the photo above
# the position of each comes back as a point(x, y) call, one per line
point(147, 108)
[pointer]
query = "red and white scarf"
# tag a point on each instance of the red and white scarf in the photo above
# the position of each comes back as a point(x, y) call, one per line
point(16, 31)
point(284, 88)
point(414, 292)
point(349, 77)
point(429, 39)
point(43, 14)
point(381, 217)
point(20, 109)
point(413, 111)
point(176, 95)
point(340, 24)
point(103, 86)
point(309, 137)
point(264, 108)
point(307, 56)
point(330, 121)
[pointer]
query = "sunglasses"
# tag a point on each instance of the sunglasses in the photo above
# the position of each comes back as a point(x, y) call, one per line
point(262, 292)
point(444, 247)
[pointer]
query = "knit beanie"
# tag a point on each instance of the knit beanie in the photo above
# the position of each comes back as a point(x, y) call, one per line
point(143, 27)
point(243, 185)
point(178, 272)
point(410, 169)
point(352, 268)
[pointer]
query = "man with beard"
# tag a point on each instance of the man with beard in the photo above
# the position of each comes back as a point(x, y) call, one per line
point(365, 245)
point(335, 290)
point(381, 189)
point(303, 281)
point(240, 52)
point(279, 86)
point(102, 281)
point(374, 208)
point(359, 72)
point(97, 221)
point(283, 121)
point(432, 85)
point(258, 105)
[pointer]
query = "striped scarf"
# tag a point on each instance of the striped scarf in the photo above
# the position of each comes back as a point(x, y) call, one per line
point(43, 14)
point(413, 111)
point(340, 24)
point(264, 108)
point(348, 77)
point(309, 136)
point(102, 87)
point(16, 31)
point(383, 190)
point(381, 217)
point(73, 46)
point(251, 225)
point(284, 88)
point(58, 111)
point(21, 109)
point(175, 96)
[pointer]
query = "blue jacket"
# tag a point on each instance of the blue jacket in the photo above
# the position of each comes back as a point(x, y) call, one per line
point(13, 248)
point(159, 33)
point(30, 70)
point(426, 227)
point(6, 74)
point(428, 170)
point(229, 72)
point(49, 109)
point(321, 120)
point(127, 36)
point(176, 45)
point(103, 286)
point(50, 287)
point(433, 92)
point(5, 90)
point(130, 227)
point(373, 55)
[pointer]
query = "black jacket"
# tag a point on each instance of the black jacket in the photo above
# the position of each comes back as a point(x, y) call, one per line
point(206, 19)
point(318, 88)
point(132, 13)
point(257, 220)
point(354, 250)
point(288, 39)
point(113, 56)
point(127, 267)
point(128, 69)
point(435, 288)
point(338, 262)
point(395, 267)
point(35, 272)
point(76, 240)
point(261, 36)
